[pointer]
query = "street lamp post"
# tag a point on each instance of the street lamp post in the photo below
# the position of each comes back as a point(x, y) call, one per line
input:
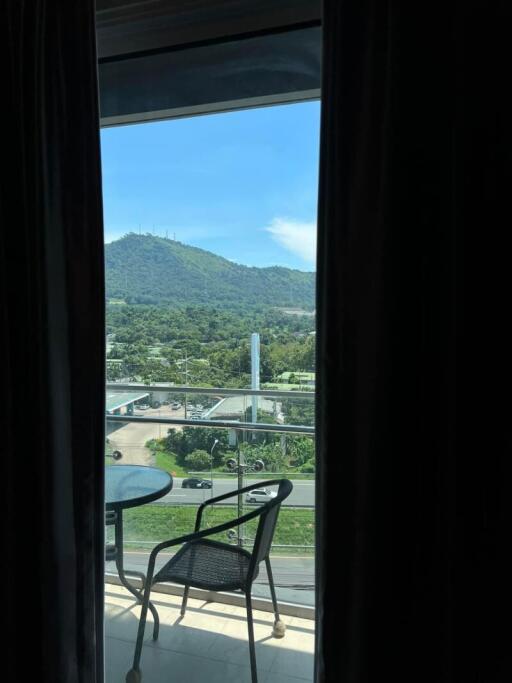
point(185, 359)
point(215, 443)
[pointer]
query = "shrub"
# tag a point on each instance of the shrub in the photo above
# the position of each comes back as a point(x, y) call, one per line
point(198, 460)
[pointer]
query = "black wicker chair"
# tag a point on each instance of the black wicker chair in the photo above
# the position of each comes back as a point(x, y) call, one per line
point(212, 565)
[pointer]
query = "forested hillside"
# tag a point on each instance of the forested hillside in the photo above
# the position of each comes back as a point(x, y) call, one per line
point(144, 269)
point(150, 343)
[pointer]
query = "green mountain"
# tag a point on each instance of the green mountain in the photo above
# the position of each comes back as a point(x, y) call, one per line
point(153, 270)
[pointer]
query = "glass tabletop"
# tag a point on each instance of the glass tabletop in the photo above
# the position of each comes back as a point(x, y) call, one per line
point(132, 485)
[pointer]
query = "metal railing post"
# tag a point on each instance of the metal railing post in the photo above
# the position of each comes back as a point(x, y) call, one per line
point(240, 473)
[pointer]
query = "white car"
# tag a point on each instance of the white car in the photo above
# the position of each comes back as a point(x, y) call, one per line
point(260, 496)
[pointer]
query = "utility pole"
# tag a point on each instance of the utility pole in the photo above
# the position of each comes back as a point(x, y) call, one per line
point(178, 363)
point(185, 359)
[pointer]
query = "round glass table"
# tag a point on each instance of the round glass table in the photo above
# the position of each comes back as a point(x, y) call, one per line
point(128, 486)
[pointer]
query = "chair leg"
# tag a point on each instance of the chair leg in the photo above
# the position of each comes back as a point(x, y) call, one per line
point(279, 626)
point(184, 602)
point(134, 675)
point(250, 626)
point(156, 621)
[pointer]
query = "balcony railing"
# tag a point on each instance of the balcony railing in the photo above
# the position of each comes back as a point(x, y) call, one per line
point(308, 430)
point(295, 572)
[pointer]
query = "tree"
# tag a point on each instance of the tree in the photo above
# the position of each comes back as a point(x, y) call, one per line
point(299, 411)
point(189, 439)
point(114, 371)
point(300, 449)
point(270, 454)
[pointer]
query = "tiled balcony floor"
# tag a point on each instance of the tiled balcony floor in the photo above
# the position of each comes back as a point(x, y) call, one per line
point(208, 644)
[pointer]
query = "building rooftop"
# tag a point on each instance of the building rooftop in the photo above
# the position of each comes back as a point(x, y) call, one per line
point(234, 406)
point(116, 400)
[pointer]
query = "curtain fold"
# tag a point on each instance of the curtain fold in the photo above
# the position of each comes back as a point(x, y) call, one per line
point(413, 344)
point(52, 342)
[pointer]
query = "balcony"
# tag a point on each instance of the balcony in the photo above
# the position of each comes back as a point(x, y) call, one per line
point(211, 640)
point(209, 643)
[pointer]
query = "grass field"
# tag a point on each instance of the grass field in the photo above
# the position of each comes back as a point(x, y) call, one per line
point(148, 525)
point(223, 474)
point(167, 462)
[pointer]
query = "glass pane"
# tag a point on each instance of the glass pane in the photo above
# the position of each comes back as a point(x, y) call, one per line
point(210, 254)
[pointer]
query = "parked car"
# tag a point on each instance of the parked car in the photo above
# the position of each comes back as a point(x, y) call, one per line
point(142, 406)
point(176, 405)
point(193, 483)
point(260, 496)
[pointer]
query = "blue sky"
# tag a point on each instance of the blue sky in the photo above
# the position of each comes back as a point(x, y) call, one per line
point(242, 184)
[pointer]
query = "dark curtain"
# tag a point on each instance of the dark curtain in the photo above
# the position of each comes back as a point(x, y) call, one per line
point(52, 344)
point(414, 348)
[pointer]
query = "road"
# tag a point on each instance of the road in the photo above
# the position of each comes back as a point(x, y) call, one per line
point(303, 491)
point(131, 437)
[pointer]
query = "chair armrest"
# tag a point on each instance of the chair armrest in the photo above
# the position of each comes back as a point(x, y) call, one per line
point(230, 494)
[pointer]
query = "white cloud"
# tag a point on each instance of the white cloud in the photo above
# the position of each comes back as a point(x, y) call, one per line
point(299, 238)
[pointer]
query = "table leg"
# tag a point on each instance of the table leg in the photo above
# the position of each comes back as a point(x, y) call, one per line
point(122, 573)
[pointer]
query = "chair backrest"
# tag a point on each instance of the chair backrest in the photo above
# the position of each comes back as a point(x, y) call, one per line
point(269, 513)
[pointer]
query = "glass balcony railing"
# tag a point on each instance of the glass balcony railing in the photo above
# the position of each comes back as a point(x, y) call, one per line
point(202, 436)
